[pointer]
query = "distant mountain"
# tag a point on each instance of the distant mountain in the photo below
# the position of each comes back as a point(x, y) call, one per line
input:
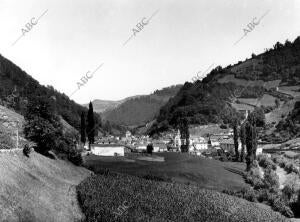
point(270, 81)
point(139, 110)
point(101, 106)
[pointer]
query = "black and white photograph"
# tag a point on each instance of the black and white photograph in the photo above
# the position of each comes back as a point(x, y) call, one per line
point(149, 110)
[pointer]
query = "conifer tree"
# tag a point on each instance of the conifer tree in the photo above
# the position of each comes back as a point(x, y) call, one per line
point(83, 128)
point(91, 125)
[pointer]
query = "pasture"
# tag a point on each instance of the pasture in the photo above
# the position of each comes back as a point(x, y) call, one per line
point(176, 167)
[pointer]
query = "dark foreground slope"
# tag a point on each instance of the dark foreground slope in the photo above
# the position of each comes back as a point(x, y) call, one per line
point(38, 188)
point(145, 200)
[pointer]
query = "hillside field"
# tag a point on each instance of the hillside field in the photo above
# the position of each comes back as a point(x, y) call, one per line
point(38, 188)
point(177, 167)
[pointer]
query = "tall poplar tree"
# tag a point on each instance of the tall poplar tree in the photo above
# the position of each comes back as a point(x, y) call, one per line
point(243, 141)
point(91, 125)
point(83, 128)
point(236, 139)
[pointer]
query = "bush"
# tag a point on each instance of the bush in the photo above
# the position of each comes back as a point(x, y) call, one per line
point(291, 168)
point(282, 207)
point(288, 191)
point(266, 196)
point(150, 148)
point(265, 162)
point(75, 157)
point(253, 177)
point(271, 179)
point(26, 150)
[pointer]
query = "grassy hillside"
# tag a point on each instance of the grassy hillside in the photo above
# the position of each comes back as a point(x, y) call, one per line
point(10, 122)
point(142, 109)
point(147, 200)
point(178, 167)
point(245, 85)
point(38, 188)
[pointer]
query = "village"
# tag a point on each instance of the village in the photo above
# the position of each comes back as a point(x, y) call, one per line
point(206, 146)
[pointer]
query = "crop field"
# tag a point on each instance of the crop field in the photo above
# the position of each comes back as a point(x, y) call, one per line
point(249, 101)
point(177, 167)
point(266, 100)
point(239, 106)
point(207, 129)
point(291, 90)
point(116, 197)
point(244, 82)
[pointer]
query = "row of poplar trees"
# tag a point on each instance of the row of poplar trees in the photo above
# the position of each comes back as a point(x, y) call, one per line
point(247, 132)
point(88, 126)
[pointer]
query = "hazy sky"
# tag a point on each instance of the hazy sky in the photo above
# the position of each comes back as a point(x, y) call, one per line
point(185, 36)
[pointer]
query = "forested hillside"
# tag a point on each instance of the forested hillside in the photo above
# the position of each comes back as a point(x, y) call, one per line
point(255, 82)
point(142, 109)
point(17, 89)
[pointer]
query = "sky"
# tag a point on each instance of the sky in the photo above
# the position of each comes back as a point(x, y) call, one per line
point(170, 41)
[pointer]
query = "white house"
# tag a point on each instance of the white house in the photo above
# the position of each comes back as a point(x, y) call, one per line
point(160, 147)
point(203, 145)
point(215, 143)
point(177, 140)
point(141, 148)
point(108, 149)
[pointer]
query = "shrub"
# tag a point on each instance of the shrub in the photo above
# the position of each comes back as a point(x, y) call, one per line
point(249, 194)
point(75, 157)
point(288, 191)
point(150, 148)
point(26, 150)
point(282, 207)
point(291, 167)
point(253, 177)
point(265, 195)
point(265, 162)
point(271, 179)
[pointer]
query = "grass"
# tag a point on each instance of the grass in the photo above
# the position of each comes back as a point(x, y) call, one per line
point(38, 188)
point(116, 197)
point(178, 167)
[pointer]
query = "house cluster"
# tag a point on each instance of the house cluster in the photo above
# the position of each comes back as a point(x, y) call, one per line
point(119, 146)
point(199, 144)
point(168, 142)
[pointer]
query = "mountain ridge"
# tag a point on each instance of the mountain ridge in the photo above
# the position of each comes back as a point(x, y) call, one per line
point(225, 92)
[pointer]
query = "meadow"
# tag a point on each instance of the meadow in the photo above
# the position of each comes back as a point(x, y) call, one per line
point(177, 167)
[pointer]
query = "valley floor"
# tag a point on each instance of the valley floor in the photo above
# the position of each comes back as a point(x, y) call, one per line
point(177, 167)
